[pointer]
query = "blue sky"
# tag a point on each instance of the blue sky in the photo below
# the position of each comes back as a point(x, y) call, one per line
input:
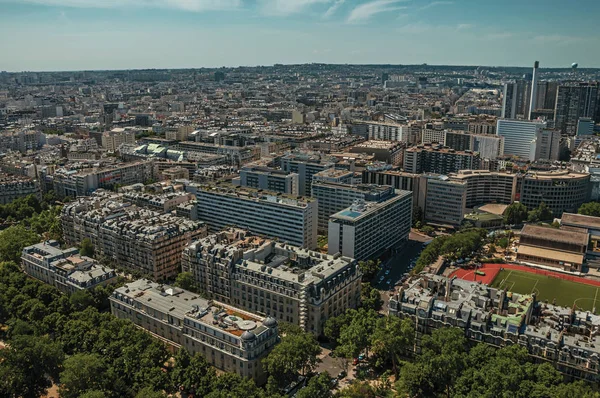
point(121, 34)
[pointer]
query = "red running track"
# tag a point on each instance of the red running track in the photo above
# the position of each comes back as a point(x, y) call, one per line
point(491, 270)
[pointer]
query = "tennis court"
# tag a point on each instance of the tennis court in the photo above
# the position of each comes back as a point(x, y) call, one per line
point(566, 293)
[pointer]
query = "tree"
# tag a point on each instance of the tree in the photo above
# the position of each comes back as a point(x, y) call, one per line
point(150, 393)
point(428, 230)
point(334, 325)
point(81, 299)
point(357, 390)
point(392, 338)
point(356, 337)
point(370, 297)
point(192, 373)
point(82, 373)
point(369, 269)
point(542, 213)
point(13, 240)
point(504, 243)
point(185, 280)
point(296, 353)
point(516, 213)
point(317, 387)
point(86, 248)
point(28, 365)
point(590, 209)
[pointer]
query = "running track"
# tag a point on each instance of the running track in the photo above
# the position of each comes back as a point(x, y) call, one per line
point(491, 270)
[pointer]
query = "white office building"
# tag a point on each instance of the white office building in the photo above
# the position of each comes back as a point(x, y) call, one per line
point(368, 229)
point(520, 136)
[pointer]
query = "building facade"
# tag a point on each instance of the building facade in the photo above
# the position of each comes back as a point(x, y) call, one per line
point(269, 179)
point(290, 219)
point(230, 339)
point(366, 230)
point(294, 285)
point(14, 187)
point(64, 269)
point(519, 136)
point(561, 190)
point(436, 159)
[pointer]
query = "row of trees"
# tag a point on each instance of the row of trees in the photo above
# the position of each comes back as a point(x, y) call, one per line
point(517, 213)
point(452, 247)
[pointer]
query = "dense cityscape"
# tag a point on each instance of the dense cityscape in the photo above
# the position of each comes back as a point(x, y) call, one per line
point(299, 199)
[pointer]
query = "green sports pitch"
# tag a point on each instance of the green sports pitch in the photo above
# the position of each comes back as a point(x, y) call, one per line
point(566, 293)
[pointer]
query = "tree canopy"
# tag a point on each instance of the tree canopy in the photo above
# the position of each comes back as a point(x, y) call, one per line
point(590, 209)
point(515, 213)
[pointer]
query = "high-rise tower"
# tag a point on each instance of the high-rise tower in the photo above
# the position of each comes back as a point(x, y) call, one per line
point(533, 95)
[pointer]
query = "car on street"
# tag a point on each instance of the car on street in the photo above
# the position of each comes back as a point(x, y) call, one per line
point(342, 374)
point(387, 271)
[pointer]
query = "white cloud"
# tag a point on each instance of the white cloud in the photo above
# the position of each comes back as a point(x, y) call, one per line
point(288, 7)
point(188, 5)
point(334, 7)
point(365, 11)
point(436, 4)
point(464, 26)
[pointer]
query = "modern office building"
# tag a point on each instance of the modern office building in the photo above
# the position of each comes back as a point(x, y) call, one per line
point(487, 146)
point(387, 131)
point(574, 101)
point(564, 337)
point(485, 187)
point(564, 249)
point(436, 159)
point(64, 269)
point(520, 136)
point(13, 187)
point(445, 201)
point(433, 136)
point(366, 230)
point(268, 179)
point(334, 197)
point(293, 285)
point(534, 90)
point(230, 339)
point(305, 165)
point(458, 140)
point(561, 190)
point(341, 176)
point(290, 219)
point(547, 145)
point(585, 126)
point(135, 238)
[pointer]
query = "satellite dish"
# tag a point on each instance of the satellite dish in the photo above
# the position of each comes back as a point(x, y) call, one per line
point(574, 65)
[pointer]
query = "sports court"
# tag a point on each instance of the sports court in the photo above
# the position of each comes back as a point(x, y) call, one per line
point(548, 285)
point(566, 293)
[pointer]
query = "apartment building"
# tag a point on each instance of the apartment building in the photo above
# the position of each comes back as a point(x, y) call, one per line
point(137, 239)
point(230, 339)
point(237, 155)
point(64, 269)
point(111, 140)
point(368, 229)
point(274, 279)
point(445, 200)
point(164, 202)
point(268, 179)
point(75, 182)
point(14, 187)
point(290, 219)
point(306, 164)
point(391, 152)
point(564, 337)
point(487, 186)
point(436, 159)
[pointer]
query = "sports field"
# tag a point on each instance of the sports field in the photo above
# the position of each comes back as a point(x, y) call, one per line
point(566, 293)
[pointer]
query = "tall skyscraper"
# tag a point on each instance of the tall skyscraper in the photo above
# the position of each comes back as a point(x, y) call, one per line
point(534, 87)
point(574, 100)
point(515, 99)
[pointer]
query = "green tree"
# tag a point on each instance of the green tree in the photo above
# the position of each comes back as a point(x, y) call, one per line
point(590, 209)
point(542, 213)
point(393, 337)
point(516, 213)
point(357, 390)
point(150, 393)
point(94, 394)
point(333, 326)
point(28, 365)
point(504, 242)
point(185, 280)
point(86, 248)
point(13, 240)
point(317, 387)
point(296, 353)
point(82, 373)
point(427, 230)
point(81, 299)
point(192, 373)
point(230, 385)
point(370, 298)
point(355, 338)
point(369, 269)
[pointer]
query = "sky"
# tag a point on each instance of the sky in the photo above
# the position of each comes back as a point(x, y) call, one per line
point(51, 35)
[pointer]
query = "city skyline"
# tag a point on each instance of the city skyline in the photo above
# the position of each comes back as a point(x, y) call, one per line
point(133, 34)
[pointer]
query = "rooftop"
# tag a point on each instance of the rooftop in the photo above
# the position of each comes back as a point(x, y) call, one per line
point(555, 235)
point(580, 220)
